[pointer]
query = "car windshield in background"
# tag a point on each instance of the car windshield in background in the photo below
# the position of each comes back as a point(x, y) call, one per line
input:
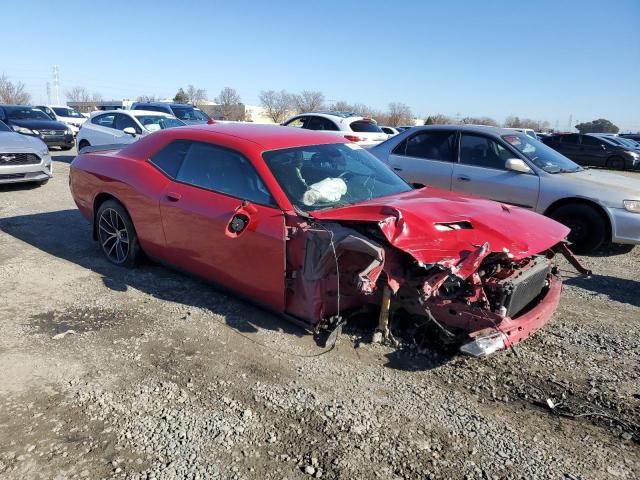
point(185, 113)
point(365, 126)
point(325, 176)
point(67, 112)
point(26, 113)
point(157, 122)
point(542, 156)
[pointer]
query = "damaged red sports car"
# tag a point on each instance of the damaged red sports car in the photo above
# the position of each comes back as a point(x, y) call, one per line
point(317, 229)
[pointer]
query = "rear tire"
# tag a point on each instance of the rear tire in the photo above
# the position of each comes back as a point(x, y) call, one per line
point(588, 228)
point(616, 163)
point(117, 235)
point(82, 144)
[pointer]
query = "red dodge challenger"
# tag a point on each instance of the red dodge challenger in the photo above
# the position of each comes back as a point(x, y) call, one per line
point(317, 229)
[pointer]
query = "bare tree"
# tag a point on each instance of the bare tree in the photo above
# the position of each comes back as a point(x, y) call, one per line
point(438, 119)
point(229, 101)
point(398, 114)
point(277, 105)
point(12, 92)
point(517, 122)
point(78, 94)
point(147, 98)
point(308, 101)
point(96, 97)
point(479, 121)
point(512, 122)
point(196, 95)
point(357, 108)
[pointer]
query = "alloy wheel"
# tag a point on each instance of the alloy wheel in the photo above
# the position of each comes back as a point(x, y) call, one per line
point(113, 235)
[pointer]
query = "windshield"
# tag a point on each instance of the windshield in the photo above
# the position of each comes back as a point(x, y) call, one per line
point(67, 112)
point(158, 122)
point(325, 176)
point(185, 113)
point(26, 113)
point(625, 142)
point(542, 156)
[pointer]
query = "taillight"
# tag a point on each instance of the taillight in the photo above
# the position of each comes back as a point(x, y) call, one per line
point(211, 121)
point(353, 138)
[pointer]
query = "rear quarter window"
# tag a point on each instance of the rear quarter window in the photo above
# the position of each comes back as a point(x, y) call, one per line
point(170, 158)
point(365, 126)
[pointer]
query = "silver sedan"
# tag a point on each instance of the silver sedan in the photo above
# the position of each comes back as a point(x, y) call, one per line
point(23, 158)
point(515, 169)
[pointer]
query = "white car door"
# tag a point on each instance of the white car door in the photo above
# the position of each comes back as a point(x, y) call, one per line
point(124, 121)
point(425, 158)
point(100, 130)
point(481, 172)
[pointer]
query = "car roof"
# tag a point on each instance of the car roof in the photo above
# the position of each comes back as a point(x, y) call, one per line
point(269, 137)
point(352, 117)
point(487, 129)
point(164, 104)
point(145, 112)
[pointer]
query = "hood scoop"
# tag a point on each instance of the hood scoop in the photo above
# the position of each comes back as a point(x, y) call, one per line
point(449, 226)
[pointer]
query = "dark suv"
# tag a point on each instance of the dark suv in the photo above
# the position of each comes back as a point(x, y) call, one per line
point(183, 111)
point(31, 121)
point(594, 150)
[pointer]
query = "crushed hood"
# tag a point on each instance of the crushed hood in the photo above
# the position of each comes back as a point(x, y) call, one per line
point(435, 226)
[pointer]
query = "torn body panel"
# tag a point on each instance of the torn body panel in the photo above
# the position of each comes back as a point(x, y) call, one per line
point(486, 297)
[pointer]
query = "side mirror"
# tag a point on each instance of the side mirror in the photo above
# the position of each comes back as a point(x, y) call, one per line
point(241, 220)
point(517, 165)
point(130, 131)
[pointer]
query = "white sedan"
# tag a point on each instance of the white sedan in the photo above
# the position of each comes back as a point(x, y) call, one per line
point(122, 126)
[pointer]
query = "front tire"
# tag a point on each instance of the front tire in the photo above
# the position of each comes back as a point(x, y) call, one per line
point(117, 235)
point(588, 228)
point(616, 163)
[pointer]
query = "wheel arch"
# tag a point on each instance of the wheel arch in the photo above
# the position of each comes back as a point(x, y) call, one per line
point(99, 200)
point(583, 201)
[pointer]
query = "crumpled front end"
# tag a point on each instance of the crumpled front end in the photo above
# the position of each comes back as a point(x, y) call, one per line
point(483, 301)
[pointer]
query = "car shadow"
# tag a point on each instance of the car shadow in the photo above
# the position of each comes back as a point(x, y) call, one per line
point(618, 289)
point(67, 235)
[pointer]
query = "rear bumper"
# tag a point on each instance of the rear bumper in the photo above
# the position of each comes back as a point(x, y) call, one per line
point(625, 226)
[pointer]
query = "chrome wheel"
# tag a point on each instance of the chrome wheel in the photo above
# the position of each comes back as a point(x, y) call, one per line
point(113, 235)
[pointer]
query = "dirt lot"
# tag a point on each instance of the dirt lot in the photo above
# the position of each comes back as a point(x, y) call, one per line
point(165, 377)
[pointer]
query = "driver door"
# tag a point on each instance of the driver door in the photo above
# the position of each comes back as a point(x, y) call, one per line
point(210, 233)
point(481, 172)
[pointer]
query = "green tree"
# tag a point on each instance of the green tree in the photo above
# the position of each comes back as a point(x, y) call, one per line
point(601, 125)
point(181, 97)
point(428, 121)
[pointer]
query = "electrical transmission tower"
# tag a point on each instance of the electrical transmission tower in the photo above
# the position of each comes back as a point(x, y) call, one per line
point(56, 83)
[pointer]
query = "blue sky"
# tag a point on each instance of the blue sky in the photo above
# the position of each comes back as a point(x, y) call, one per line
point(543, 59)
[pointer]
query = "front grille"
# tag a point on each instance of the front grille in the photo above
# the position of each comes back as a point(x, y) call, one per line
point(10, 176)
point(52, 133)
point(526, 287)
point(18, 159)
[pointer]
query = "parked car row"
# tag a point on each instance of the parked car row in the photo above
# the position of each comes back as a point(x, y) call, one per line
point(596, 149)
point(23, 158)
point(31, 121)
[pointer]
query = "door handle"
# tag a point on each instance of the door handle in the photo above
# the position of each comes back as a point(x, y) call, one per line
point(464, 178)
point(397, 169)
point(173, 196)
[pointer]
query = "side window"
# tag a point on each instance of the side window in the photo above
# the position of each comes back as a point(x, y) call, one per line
point(124, 121)
point(223, 171)
point(591, 141)
point(483, 152)
point(320, 123)
point(107, 120)
point(431, 145)
point(298, 122)
point(571, 139)
point(169, 159)
point(400, 148)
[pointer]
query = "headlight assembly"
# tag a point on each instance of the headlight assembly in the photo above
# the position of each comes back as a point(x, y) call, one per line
point(632, 205)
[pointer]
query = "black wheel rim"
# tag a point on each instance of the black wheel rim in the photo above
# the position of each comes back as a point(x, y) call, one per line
point(113, 235)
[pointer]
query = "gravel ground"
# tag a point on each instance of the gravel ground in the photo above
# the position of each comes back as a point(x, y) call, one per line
point(165, 377)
